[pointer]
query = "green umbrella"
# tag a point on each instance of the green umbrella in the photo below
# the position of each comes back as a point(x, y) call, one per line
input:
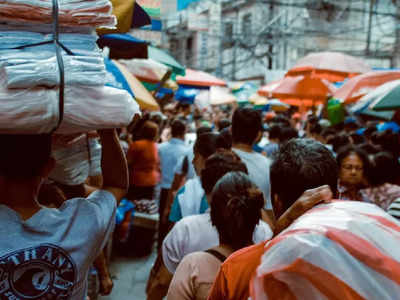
point(389, 100)
point(165, 58)
point(383, 115)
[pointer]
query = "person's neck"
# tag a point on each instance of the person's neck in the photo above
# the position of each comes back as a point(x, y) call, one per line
point(224, 249)
point(21, 197)
point(243, 147)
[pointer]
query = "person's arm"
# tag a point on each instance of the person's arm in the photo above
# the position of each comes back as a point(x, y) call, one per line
point(106, 283)
point(181, 287)
point(113, 164)
point(307, 200)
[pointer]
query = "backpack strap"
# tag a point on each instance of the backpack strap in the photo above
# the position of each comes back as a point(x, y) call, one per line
point(216, 254)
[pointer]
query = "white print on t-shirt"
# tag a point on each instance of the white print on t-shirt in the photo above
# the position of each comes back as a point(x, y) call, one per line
point(43, 272)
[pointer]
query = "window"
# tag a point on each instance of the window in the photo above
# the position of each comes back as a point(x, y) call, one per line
point(228, 35)
point(246, 26)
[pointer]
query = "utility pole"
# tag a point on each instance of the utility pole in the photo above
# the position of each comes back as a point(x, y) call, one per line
point(235, 37)
point(371, 8)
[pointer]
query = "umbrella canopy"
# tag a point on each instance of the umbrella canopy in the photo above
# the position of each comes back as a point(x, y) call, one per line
point(123, 46)
point(389, 100)
point(358, 86)
point(333, 66)
point(165, 58)
point(220, 95)
point(129, 15)
point(149, 71)
point(299, 90)
point(123, 78)
point(199, 78)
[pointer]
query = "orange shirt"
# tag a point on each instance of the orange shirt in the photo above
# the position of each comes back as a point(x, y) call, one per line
point(232, 282)
point(145, 167)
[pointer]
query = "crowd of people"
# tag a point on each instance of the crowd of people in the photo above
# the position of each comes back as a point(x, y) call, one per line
point(225, 183)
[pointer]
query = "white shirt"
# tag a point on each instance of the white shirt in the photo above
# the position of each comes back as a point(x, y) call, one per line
point(258, 167)
point(196, 233)
point(49, 255)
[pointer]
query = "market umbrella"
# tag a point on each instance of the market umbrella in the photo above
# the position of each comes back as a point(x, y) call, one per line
point(122, 78)
point(165, 58)
point(299, 90)
point(148, 71)
point(389, 100)
point(361, 85)
point(123, 46)
point(129, 15)
point(333, 66)
point(199, 79)
point(221, 95)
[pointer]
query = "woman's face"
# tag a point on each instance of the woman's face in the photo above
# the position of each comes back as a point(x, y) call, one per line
point(198, 163)
point(352, 170)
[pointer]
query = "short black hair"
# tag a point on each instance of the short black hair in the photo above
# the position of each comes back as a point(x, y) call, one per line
point(24, 156)
point(217, 165)
point(315, 128)
point(274, 132)
point(288, 133)
point(246, 125)
point(203, 129)
point(223, 123)
point(357, 138)
point(383, 169)
point(178, 128)
point(299, 165)
point(236, 209)
point(225, 139)
point(338, 141)
point(149, 130)
point(206, 144)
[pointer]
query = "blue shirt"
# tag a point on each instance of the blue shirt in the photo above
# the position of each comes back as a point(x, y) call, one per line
point(170, 153)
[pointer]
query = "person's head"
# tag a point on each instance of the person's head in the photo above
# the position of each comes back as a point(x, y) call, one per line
point(299, 165)
point(223, 123)
point(25, 157)
point(315, 131)
point(274, 133)
point(225, 139)
point(338, 141)
point(217, 165)
point(246, 126)
point(206, 144)
point(236, 209)
point(383, 169)
point(203, 129)
point(178, 129)
point(353, 162)
point(288, 133)
point(357, 139)
point(327, 134)
point(149, 131)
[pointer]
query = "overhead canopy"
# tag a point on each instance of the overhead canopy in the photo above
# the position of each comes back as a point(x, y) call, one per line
point(165, 58)
point(199, 78)
point(221, 95)
point(333, 66)
point(299, 90)
point(129, 15)
point(360, 85)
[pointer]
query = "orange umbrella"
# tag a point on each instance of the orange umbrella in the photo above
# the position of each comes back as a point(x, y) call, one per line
point(333, 66)
point(358, 86)
point(300, 90)
point(199, 78)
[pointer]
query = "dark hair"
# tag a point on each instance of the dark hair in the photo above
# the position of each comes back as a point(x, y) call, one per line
point(217, 165)
point(178, 128)
point(280, 120)
point(274, 132)
point(338, 141)
point(246, 125)
point(357, 138)
point(370, 148)
point(351, 149)
point(315, 128)
point(236, 209)
point(24, 156)
point(389, 141)
point(225, 139)
point(327, 132)
point(203, 129)
point(206, 144)
point(288, 133)
point(383, 169)
point(299, 165)
point(223, 123)
point(149, 131)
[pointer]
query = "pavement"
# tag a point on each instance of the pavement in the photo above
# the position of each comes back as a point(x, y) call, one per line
point(130, 276)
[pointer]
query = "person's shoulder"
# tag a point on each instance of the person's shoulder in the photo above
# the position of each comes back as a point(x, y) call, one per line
point(262, 158)
point(242, 256)
point(186, 221)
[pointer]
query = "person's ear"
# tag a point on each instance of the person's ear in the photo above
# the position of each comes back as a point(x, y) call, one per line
point(48, 167)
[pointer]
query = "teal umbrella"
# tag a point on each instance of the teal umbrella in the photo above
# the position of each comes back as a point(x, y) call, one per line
point(389, 100)
point(165, 58)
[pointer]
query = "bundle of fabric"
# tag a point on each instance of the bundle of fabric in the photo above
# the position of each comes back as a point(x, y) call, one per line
point(76, 160)
point(343, 250)
point(93, 13)
point(30, 70)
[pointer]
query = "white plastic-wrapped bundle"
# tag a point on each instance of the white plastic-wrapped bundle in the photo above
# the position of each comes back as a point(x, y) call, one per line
point(76, 160)
point(86, 108)
point(343, 250)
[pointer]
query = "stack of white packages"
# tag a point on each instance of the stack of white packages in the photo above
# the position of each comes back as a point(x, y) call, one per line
point(29, 71)
point(343, 250)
